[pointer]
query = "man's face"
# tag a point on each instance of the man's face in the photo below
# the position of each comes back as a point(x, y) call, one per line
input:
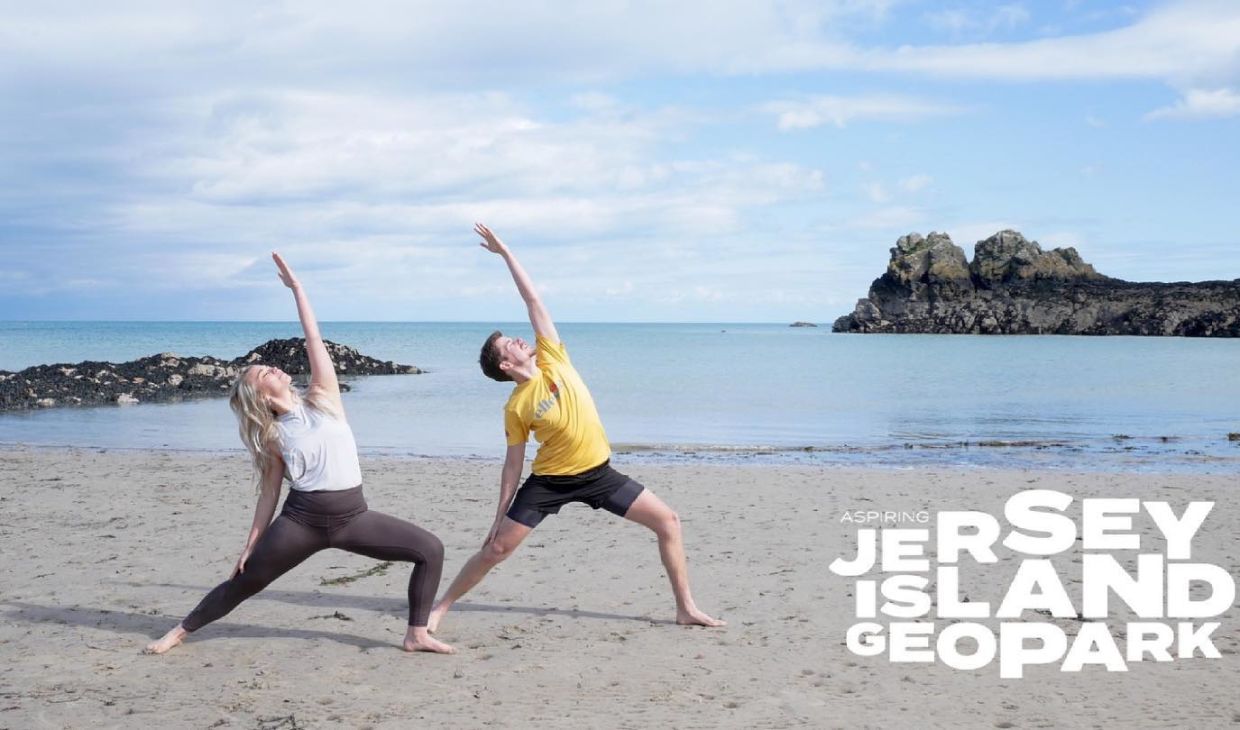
point(513, 352)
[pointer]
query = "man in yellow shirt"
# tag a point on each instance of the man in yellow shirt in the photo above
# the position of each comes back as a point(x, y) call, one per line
point(572, 464)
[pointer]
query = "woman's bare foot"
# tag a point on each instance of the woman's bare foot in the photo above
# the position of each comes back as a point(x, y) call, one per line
point(694, 617)
point(169, 640)
point(417, 638)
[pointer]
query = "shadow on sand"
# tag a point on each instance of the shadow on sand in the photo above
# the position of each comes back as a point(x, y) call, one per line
point(400, 607)
point(154, 626)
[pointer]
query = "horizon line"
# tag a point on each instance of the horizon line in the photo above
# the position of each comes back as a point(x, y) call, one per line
point(387, 321)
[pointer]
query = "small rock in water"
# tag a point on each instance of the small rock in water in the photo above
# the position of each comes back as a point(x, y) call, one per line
point(168, 376)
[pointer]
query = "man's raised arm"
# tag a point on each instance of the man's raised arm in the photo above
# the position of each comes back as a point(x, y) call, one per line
point(539, 317)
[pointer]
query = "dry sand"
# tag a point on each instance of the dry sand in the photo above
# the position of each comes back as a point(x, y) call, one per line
point(103, 551)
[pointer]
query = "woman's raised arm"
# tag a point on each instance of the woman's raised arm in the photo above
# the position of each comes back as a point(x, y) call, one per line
point(322, 370)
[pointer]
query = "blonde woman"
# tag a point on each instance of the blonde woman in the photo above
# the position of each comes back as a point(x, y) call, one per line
point(306, 440)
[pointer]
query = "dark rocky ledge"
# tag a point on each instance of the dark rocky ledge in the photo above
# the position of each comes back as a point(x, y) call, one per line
point(1012, 286)
point(800, 323)
point(168, 377)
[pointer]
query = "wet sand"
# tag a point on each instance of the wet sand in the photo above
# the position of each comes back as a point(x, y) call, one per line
point(104, 551)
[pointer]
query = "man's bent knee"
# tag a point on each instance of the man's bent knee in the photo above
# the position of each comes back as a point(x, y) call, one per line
point(668, 525)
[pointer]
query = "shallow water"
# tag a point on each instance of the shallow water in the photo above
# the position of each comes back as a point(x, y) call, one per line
point(766, 393)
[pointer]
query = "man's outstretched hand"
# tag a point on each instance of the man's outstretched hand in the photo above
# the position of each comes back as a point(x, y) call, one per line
point(490, 241)
point(543, 326)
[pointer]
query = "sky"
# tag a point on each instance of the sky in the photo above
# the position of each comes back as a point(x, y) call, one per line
point(702, 160)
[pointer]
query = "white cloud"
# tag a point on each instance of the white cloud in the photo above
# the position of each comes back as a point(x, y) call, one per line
point(153, 48)
point(1010, 16)
point(840, 110)
point(916, 183)
point(958, 20)
point(624, 290)
point(1192, 39)
point(594, 101)
point(876, 192)
point(291, 146)
point(1201, 104)
point(698, 293)
point(398, 182)
point(373, 128)
point(952, 20)
point(896, 219)
point(410, 45)
point(1063, 239)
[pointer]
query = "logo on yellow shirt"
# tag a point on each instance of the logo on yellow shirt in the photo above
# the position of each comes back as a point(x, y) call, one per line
point(546, 404)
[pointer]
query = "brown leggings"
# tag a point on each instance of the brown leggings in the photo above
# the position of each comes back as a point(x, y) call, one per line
point(312, 521)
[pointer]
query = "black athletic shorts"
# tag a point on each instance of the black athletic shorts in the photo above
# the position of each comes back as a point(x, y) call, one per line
point(602, 486)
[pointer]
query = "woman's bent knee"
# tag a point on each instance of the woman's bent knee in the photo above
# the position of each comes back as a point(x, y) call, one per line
point(433, 551)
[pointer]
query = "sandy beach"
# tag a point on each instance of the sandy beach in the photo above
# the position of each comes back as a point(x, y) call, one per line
point(105, 550)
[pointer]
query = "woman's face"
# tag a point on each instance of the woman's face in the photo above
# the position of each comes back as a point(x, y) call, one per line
point(269, 382)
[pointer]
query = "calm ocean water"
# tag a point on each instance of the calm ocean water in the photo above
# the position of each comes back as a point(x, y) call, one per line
point(752, 392)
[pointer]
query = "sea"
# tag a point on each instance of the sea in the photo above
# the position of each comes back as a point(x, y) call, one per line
point(721, 392)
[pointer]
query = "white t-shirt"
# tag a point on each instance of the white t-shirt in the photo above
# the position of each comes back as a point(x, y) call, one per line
point(320, 454)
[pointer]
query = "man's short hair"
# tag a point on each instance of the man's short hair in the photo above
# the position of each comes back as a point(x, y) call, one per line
point(490, 359)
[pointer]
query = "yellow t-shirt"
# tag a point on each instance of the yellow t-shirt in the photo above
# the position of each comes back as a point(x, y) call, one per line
point(557, 407)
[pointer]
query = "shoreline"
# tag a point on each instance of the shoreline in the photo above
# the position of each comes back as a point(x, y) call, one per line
point(107, 549)
point(1007, 457)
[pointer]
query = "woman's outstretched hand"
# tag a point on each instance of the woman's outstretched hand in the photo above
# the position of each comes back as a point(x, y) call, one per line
point(286, 274)
point(322, 371)
point(240, 566)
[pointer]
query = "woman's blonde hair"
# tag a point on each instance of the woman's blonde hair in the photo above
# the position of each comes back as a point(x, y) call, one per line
point(256, 422)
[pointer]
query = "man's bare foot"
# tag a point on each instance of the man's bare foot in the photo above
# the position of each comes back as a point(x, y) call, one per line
point(169, 640)
point(694, 617)
point(437, 612)
point(418, 639)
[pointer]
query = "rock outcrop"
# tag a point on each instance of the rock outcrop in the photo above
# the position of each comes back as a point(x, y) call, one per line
point(1012, 286)
point(168, 377)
